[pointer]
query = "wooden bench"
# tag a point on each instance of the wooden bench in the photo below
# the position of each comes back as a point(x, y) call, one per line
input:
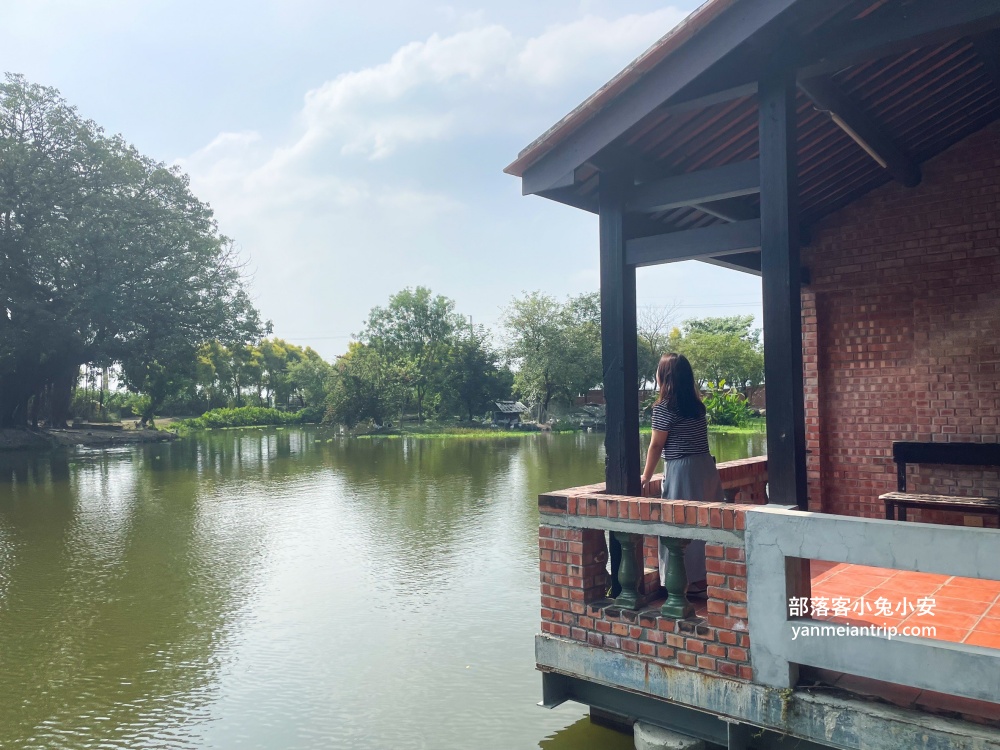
point(961, 454)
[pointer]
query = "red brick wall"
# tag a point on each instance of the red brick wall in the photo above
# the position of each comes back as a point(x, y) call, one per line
point(902, 331)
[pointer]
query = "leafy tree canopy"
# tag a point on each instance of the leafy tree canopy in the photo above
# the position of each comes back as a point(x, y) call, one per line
point(105, 256)
point(554, 346)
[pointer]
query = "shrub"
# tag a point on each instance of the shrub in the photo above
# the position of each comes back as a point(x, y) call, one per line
point(310, 415)
point(244, 416)
point(727, 406)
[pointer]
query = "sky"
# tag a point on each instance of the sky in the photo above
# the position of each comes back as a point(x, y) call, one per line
point(352, 149)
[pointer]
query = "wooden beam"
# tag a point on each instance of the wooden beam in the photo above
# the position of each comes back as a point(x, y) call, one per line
point(571, 197)
point(619, 347)
point(625, 157)
point(987, 46)
point(690, 244)
point(692, 188)
point(731, 209)
point(862, 129)
point(894, 28)
point(749, 263)
point(745, 262)
point(780, 269)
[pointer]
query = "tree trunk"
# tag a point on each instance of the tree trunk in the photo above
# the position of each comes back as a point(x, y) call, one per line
point(63, 385)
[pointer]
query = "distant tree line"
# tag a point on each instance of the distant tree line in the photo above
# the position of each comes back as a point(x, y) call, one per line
point(108, 263)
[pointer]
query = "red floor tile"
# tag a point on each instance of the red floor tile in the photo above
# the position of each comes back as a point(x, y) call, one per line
point(945, 620)
point(929, 578)
point(916, 585)
point(971, 593)
point(981, 584)
point(846, 587)
point(988, 625)
point(942, 633)
point(968, 606)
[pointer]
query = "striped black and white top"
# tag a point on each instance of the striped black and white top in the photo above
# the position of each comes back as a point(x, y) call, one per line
point(685, 436)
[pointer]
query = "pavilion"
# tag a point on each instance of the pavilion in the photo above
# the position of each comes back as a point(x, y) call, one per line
point(848, 153)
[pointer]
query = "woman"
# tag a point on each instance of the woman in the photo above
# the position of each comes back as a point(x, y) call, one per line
point(680, 436)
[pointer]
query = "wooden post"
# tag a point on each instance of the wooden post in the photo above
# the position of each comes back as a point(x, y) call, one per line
point(619, 349)
point(779, 229)
point(619, 354)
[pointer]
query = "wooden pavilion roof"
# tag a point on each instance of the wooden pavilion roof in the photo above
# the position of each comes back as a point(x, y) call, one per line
point(884, 85)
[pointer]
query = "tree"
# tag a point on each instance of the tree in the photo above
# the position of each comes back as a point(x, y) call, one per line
point(653, 337)
point(364, 387)
point(724, 349)
point(740, 326)
point(413, 332)
point(555, 347)
point(310, 377)
point(105, 257)
point(474, 376)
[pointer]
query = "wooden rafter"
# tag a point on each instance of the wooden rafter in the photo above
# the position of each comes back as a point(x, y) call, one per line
point(861, 128)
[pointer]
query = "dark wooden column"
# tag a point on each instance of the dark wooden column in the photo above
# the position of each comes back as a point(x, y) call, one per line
point(780, 271)
point(618, 343)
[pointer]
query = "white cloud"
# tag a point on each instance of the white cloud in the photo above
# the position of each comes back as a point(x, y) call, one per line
point(391, 175)
point(583, 48)
point(448, 85)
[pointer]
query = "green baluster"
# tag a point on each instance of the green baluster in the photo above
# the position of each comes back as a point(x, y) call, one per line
point(627, 573)
point(676, 606)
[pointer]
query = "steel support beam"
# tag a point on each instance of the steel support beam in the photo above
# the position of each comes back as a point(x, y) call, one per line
point(861, 128)
point(559, 688)
point(780, 269)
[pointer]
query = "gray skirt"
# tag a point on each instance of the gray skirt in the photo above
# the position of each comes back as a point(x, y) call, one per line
point(691, 478)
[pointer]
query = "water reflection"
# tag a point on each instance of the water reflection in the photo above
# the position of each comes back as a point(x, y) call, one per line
point(281, 589)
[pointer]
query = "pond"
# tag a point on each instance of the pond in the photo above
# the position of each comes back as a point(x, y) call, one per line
point(284, 589)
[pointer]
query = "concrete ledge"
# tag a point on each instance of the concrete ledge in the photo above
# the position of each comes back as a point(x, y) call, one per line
point(845, 723)
point(775, 535)
point(728, 537)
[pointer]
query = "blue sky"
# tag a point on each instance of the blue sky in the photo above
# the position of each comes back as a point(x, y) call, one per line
point(353, 149)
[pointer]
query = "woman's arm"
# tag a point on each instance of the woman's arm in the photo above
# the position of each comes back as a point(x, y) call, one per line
point(656, 443)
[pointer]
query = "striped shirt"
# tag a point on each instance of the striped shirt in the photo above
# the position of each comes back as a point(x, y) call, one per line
point(685, 436)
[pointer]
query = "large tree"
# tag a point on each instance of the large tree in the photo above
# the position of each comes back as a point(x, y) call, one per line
point(723, 349)
point(105, 256)
point(474, 376)
point(554, 346)
point(414, 332)
point(365, 386)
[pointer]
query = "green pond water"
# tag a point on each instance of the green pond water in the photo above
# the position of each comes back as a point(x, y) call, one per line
point(282, 590)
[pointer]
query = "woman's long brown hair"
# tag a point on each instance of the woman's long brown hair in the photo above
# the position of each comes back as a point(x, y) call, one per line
point(675, 379)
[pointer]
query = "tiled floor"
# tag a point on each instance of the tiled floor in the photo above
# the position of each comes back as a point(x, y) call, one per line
point(961, 610)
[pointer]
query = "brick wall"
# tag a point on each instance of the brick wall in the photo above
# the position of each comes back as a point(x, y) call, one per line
point(574, 579)
point(902, 331)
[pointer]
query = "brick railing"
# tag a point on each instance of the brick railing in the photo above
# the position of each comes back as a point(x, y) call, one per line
point(745, 480)
point(575, 580)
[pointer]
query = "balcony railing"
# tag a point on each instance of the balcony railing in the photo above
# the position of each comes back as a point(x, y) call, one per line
point(757, 561)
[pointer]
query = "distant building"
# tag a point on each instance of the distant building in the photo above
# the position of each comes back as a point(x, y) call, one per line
point(508, 413)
